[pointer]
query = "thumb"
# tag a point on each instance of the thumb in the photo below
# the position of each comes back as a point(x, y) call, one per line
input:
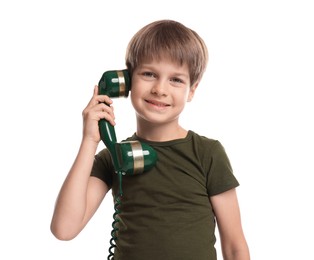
point(95, 90)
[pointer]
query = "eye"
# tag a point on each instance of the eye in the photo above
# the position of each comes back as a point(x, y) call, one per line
point(177, 80)
point(148, 74)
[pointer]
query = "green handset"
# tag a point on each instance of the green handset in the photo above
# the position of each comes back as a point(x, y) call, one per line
point(132, 157)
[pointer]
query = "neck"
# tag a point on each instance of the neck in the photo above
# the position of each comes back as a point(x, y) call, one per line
point(160, 132)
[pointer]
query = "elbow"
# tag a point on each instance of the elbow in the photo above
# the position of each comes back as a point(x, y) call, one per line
point(62, 233)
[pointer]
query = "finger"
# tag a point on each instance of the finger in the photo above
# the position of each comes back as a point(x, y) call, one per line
point(107, 114)
point(93, 101)
point(104, 99)
point(96, 98)
point(104, 108)
point(99, 111)
point(110, 119)
point(101, 98)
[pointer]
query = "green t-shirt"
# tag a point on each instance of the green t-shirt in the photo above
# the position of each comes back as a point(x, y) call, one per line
point(166, 212)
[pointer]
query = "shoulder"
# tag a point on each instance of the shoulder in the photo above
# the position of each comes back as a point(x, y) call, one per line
point(216, 165)
point(205, 143)
point(211, 153)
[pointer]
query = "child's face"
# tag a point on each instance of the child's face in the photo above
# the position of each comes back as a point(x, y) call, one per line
point(160, 90)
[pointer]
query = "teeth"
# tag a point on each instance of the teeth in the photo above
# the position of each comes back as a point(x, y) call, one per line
point(157, 104)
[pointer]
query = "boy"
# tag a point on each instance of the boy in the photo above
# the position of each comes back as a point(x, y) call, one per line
point(169, 212)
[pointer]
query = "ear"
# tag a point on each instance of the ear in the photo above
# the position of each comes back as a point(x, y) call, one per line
point(192, 92)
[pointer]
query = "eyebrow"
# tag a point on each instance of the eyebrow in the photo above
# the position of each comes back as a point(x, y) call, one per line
point(148, 66)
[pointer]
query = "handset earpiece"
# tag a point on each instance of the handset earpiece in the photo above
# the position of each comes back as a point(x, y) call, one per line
point(131, 157)
point(115, 83)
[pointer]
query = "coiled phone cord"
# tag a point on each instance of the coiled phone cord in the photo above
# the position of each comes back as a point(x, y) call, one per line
point(117, 204)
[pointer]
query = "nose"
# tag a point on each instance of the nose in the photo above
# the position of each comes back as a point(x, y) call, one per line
point(159, 88)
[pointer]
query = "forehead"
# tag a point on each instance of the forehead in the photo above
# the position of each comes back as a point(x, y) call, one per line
point(162, 57)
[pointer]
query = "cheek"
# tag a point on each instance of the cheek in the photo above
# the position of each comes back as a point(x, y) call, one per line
point(184, 96)
point(135, 95)
point(132, 95)
point(135, 89)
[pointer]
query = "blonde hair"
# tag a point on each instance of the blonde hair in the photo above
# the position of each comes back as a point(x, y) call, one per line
point(171, 39)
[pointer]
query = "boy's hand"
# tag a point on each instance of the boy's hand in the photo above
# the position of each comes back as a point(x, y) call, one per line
point(99, 107)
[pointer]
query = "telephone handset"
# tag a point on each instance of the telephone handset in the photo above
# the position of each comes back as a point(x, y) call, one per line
point(129, 157)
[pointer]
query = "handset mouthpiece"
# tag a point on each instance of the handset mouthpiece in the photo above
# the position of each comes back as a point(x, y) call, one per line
point(135, 157)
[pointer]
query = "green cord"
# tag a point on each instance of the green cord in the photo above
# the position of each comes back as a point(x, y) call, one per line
point(114, 231)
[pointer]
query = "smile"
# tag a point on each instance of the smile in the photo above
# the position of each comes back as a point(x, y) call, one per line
point(157, 103)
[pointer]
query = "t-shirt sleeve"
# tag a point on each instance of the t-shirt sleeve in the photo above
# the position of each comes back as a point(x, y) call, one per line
point(220, 176)
point(103, 167)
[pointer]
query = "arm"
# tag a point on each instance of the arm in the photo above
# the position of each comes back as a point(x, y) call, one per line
point(81, 194)
point(233, 242)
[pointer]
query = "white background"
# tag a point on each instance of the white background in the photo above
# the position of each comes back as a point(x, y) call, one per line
point(256, 98)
